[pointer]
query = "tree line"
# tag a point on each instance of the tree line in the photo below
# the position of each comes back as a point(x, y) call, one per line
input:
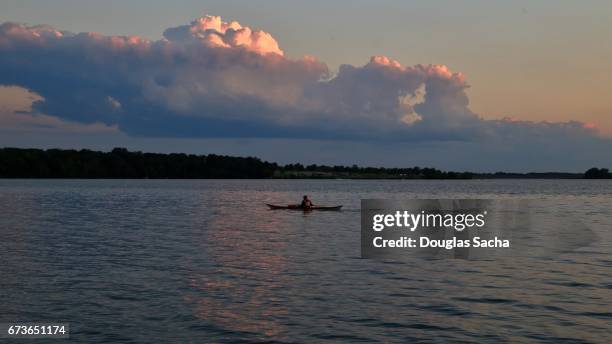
point(598, 173)
point(121, 163)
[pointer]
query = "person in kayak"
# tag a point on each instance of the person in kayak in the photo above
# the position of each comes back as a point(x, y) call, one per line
point(306, 203)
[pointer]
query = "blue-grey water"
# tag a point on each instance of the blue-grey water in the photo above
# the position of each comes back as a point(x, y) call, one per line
point(198, 261)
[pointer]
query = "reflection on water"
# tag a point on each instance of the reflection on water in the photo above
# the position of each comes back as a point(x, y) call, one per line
point(246, 261)
point(206, 261)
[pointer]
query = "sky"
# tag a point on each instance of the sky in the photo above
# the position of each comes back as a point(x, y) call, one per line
point(475, 85)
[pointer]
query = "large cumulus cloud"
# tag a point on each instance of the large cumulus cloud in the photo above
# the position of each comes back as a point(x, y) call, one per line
point(221, 79)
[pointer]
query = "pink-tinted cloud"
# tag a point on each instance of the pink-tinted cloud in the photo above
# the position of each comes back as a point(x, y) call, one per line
point(213, 31)
point(216, 78)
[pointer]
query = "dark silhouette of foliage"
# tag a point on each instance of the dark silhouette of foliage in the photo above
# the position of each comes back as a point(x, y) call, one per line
point(121, 163)
point(597, 173)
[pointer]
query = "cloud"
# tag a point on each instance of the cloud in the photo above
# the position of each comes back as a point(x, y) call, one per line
point(220, 79)
point(214, 32)
point(17, 117)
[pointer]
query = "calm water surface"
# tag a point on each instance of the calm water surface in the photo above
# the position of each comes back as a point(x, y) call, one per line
point(141, 261)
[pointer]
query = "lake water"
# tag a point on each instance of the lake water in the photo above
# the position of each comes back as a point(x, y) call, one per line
point(142, 261)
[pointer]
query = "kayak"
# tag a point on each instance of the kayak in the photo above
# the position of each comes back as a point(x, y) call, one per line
point(299, 207)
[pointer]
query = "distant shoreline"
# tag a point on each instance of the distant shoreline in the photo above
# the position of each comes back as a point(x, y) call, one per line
point(19, 163)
